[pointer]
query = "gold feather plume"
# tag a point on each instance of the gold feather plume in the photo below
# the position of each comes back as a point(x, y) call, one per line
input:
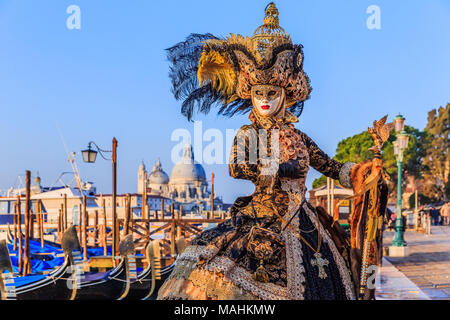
point(215, 68)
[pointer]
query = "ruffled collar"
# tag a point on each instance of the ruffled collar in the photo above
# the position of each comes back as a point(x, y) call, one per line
point(269, 122)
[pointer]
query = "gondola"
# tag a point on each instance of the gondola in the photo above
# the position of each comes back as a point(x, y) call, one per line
point(119, 283)
point(110, 285)
point(54, 248)
point(145, 286)
point(52, 245)
point(60, 284)
point(43, 258)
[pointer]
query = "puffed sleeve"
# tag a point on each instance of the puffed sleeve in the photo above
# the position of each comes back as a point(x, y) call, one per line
point(243, 157)
point(320, 161)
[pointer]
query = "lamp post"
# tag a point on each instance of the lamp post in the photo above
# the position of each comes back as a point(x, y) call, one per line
point(400, 145)
point(89, 156)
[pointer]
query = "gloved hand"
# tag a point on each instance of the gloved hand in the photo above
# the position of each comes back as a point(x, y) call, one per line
point(290, 169)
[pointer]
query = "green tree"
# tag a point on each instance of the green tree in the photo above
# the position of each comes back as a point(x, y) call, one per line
point(319, 182)
point(352, 149)
point(437, 158)
point(422, 199)
point(356, 149)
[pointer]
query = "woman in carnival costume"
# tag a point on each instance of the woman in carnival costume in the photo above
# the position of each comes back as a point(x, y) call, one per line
point(276, 245)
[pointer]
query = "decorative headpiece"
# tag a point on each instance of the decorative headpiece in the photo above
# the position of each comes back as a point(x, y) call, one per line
point(206, 70)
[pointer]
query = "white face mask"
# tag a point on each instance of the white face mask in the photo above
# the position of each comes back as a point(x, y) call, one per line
point(267, 99)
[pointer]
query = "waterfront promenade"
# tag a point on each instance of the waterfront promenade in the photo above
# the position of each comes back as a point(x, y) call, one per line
point(424, 274)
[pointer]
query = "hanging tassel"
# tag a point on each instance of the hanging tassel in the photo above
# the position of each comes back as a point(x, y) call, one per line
point(261, 274)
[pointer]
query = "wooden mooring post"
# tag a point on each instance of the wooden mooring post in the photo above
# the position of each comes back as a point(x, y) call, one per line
point(85, 228)
point(144, 213)
point(40, 222)
point(115, 226)
point(80, 218)
point(96, 240)
point(15, 227)
point(180, 216)
point(59, 226)
point(172, 230)
point(62, 218)
point(126, 224)
point(27, 262)
point(105, 230)
point(19, 227)
point(212, 196)
point(31, 225)
point(65, 212)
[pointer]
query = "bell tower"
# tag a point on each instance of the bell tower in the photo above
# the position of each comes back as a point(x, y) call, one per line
point(141, 178)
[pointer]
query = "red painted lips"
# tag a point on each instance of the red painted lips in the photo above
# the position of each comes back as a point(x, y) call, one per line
point(265, 107)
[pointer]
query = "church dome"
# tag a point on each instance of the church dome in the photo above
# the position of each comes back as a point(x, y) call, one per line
point(187, 170)
point(158, 176)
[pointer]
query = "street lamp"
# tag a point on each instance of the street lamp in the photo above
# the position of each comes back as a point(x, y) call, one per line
point(399, 123)
point(400, 145)
point(89, 156)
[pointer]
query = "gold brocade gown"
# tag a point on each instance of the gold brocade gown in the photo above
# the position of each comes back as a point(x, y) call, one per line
point(276, 245)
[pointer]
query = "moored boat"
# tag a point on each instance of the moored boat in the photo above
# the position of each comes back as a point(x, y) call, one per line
point(60, 284)
point(147, 283)
point(110, 285)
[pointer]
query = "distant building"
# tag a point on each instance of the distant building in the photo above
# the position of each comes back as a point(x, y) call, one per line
point(141, 178)
point(187, 184)
point(339, 195)
point(158, 181)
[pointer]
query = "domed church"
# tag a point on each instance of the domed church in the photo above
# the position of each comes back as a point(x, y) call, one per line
point(187, 184)
point(158, 180)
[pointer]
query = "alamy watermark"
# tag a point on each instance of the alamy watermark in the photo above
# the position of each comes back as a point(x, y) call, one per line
point(73, 21)
point(250, 146)
point(374, 20)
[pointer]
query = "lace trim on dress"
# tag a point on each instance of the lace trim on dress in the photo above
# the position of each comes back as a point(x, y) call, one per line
point(215, 286)
point(231, 272)
point(343, 270)
point(294, 254)
point(243, 279)
point(294, 264)
point(193, 252)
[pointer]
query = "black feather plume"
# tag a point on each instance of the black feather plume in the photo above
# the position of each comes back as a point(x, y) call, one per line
point(183, 58)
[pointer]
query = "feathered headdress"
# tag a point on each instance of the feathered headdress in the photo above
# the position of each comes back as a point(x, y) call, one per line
point(207, 71)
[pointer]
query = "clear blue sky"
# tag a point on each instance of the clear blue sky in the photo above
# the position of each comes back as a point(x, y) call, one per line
point(110, 78)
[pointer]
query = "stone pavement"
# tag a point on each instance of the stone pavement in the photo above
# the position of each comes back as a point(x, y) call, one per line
point(424, 274)
point(391, 284)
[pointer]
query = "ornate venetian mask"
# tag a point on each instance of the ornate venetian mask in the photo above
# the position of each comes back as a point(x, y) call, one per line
point(267, 99)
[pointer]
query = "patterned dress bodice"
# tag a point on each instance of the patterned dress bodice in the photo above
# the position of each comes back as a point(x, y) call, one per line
point(272, 193)
point(293, 148)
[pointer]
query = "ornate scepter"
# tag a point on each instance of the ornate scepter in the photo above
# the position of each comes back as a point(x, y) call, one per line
point(374, 218)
